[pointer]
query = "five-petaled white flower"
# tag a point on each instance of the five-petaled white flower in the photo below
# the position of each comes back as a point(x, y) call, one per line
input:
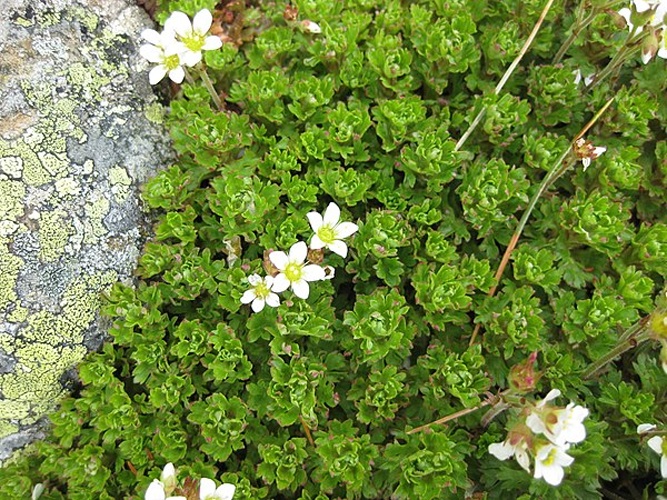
point(162, 50)
point(260, 293)
point(192, 36)
point(329, 230)
point(549, 462)
point(294, 272)
point(208, 491)
point(559, 425)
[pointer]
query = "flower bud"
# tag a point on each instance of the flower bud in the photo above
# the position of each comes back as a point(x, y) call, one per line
point(650, 47)
point(522, 377)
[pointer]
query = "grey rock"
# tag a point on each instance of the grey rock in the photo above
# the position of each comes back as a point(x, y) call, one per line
point(80, 130)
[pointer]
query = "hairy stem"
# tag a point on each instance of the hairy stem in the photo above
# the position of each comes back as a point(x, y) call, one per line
point(633, 336)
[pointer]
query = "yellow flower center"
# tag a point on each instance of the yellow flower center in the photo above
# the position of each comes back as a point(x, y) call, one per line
point(326, 234)
point(261, 290)
point(293, 271)
point(194, 42)
point(171, 62)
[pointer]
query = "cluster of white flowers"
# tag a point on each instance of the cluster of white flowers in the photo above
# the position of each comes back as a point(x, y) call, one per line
point(651, 13)
point(179, 44)
point(657, 444)
point(294, 270)
point(160, 488)
point(546, 434)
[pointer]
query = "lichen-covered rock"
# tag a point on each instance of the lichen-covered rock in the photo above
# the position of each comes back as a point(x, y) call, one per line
point(79, 130)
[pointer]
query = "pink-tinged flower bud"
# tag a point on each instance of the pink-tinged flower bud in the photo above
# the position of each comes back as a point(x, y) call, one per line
point(523, 377)
point(650, 47)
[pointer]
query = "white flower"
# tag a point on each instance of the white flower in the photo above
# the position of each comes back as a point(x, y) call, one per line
point(505, 450)
point(162, 50)
point(294, 271)
point(207, 490)
point(192, 36)
point(156, 492)
point(329, 230)
point(658, 444)
point(560, 425)
point(585, 151)
point(641, 6)
point(310, 26)
point(260, 293)
point(549, 462)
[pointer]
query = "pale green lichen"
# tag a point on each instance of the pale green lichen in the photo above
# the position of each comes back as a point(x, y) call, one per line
point(120, 183)
point(155, 113)
point(19, 314)
point(11, 199)
point(50, 341)
point(96, 209)
point(55, 228)
point(10, 266)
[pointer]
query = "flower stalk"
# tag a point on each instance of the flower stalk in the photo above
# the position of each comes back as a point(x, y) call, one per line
point(557, 170)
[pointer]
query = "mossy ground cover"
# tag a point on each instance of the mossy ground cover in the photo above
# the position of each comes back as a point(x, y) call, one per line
point(324, 397)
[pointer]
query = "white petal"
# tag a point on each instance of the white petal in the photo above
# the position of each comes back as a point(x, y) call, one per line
point(190, 58)
point(169, 472)
point(646, 57)
point(331, 215)
point(644, 428)
point(663, 466)
point(655, 443)
point(298, 252)
point(155, 491)
point(272, 300)
point(315, 220)
point(523, 459)
point(225, 491)
point(202, 21)
point(157, 74)
point(642, 5)
point(316, 243)
point(177, 75)
point(535, 424)
point(502, 451)
point(553, 475)
point(301, 289)
point(179, 23)
point(206, 487)
point(313, 272)
point(339, 247)
point(151, 36)
point(212, 43)
point(257, 305)
point(151, 53)
point(254, 279)
point(268, 282)
point(248, 296)
point(553, 394)
point(345, 229)
point(281, 283)
point(279, 259)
